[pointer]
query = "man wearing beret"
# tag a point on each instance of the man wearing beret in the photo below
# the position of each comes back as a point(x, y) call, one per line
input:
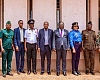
point(6, 36)
point(30, 46)
point(89, 45)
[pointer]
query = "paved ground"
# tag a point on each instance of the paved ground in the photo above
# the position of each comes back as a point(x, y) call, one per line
point(50, 77)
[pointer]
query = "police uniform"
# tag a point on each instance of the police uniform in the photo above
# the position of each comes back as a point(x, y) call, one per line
point(89, 46)
point(31, 42)
point(75, 39)
point(7, 41)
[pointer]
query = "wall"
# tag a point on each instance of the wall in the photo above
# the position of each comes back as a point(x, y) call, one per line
point(45, 10)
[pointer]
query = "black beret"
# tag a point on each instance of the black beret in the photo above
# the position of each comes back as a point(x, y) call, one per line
point(90, 22)
point(31, 21)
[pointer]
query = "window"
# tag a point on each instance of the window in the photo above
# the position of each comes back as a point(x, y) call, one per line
point(87, 11)
point(58, 12)
point(99, 14)
point(1, 14)
point(30, 9)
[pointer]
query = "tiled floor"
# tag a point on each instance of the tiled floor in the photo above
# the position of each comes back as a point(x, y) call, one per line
point(50, 77)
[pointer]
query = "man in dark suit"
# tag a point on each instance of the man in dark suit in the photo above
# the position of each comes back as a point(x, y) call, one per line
point(19, 47)
point(60, 45)
point(45, 38)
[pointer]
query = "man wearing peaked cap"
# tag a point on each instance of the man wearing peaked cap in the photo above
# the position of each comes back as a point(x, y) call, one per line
point(31, 21)
point(6, 36)
point(31, 35)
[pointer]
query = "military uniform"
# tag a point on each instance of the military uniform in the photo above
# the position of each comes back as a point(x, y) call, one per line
point(98, 42)
point(89, 39)
point(7, 37)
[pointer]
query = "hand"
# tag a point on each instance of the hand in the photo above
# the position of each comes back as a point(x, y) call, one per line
point(74, 51)
point(13, 48)
point(2, 50)
point(54, 50)
point(99, 50)
point(81, 50)
point(25, 49)
point(38, 49)
point(68, 49)
point(17, 49)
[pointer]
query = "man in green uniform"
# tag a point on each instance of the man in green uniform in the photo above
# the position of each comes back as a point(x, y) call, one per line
point(6, 36)
point(89, 46)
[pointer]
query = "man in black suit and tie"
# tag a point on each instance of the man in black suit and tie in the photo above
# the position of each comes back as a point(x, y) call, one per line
point(45, 38)
point(60, 45)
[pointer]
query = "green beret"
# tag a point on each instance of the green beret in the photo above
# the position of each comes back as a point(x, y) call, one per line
point(8, 22)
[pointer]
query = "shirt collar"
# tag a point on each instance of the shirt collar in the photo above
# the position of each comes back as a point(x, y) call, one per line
point(45, 30)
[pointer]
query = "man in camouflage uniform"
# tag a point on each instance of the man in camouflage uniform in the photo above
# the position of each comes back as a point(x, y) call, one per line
point(98, 44)
point(89, 46)
point(6, 37)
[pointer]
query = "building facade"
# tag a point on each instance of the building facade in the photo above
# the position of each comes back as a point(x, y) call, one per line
point(52, 11)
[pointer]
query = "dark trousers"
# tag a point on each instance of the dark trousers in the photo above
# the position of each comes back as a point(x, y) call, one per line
point(76, 56)
point(61, 54)
point(47, 53)
point(7, 59)
point(20, 58)
point(31, 56)
point(89, 57)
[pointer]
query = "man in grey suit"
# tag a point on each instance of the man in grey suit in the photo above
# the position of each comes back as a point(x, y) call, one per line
point(60, 46)
point(45, 38)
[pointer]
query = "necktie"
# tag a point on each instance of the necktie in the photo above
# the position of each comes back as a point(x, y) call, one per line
point(61, 33)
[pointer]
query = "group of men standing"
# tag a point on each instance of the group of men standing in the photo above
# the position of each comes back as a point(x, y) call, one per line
point(44, 41)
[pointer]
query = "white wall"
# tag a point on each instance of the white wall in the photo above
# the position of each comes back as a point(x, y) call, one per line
point(15, 10)
point(74, 10)
point(44, 10)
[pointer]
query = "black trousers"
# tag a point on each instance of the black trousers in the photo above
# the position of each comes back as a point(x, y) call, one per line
point(31, 56)
point(61, 54)
point(46, 52)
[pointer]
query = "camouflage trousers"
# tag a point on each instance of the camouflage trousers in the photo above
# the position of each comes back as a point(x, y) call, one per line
point(89, 57)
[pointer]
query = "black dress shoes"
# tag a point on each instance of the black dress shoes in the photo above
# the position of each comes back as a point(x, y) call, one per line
point(75, 73)
point(58, 73)
point(49, 73)
point(92, 72)
point(78, 73)
point(87, 72)
point(29, 72)
point(64, 73)
point(34, 72)
point(4, 75)
point(18, 72)
point(23, 71)
point(8, 73)
point(41, 73)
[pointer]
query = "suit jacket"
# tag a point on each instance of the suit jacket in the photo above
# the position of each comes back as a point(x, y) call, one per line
point(57, 40)
point(17, 36)
point(41, 38)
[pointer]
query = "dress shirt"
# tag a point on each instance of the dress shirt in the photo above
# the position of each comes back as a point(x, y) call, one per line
point(31, 36)
point(21, 35)
point(46, 36)
point(74, 36)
